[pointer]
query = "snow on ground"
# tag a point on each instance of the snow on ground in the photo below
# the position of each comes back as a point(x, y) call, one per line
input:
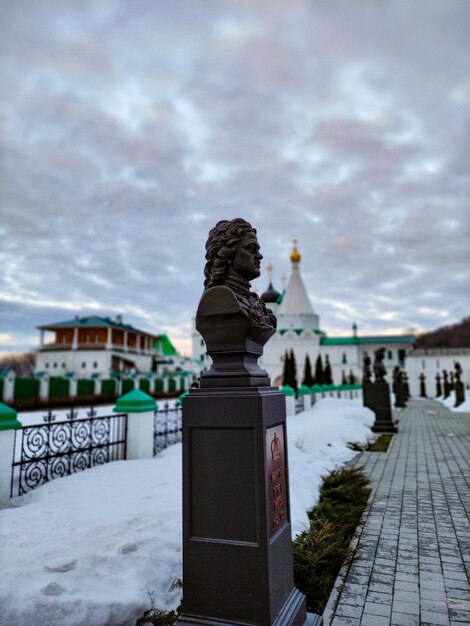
point(90, 549)
point(450, 401)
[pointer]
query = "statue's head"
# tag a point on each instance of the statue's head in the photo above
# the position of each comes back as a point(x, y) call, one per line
point(232, 249)
point(380, 354)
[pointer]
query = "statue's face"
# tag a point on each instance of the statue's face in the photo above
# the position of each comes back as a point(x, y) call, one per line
point(246, 261)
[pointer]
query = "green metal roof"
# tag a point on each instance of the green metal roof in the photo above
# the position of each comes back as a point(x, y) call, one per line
point(339, 341)
point(168, 348)
point(299, 331)
point(387, 339)
point(366, 339)
point(92, 321)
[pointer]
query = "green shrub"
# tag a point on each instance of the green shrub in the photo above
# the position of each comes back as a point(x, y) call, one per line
point(320, 551)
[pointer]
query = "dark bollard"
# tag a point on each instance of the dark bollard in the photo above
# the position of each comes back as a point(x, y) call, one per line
point(406, 386)
point(446, 384)
point(459, 393)
point(438, 386)
point(367, 399)
point(459, 386)
point(422, 386)
point(237, 546)
point(398, 388)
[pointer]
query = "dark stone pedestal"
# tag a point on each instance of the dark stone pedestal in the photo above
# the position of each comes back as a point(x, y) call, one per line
point(380, 395)
point(237, 547)
point(422, 387)
point(459, 393)
point(399, 395)
point(446, 389)
point(367, 395)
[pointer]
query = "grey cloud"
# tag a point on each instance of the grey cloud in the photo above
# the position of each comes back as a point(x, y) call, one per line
point(128, 133)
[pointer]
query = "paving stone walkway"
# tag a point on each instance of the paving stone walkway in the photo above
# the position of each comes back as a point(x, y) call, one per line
point(412, 565)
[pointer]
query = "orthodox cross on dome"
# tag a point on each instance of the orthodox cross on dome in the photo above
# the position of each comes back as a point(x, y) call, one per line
point(284, 281)
point(295, 257)
point(270, 268)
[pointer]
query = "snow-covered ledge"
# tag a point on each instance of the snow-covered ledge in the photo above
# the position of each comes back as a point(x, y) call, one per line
point(140, 409)
point(8, 424)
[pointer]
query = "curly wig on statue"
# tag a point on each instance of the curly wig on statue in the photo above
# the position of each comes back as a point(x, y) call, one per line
point(221, 245)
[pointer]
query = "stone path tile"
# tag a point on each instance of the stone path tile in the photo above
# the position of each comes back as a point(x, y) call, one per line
point(412, 564)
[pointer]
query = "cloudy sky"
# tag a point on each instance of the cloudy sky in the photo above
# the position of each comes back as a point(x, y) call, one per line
point(128, 129)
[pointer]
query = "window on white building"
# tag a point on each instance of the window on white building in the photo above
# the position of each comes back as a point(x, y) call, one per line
point(55, 365)
point(46, 365)
point(83, 364)
point(389, 355)
point(64, 365)
point(95, 365)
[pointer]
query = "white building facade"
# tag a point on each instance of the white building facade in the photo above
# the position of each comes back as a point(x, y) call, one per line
point(432, 361)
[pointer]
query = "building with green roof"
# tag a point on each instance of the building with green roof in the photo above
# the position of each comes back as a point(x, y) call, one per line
point(94, 345)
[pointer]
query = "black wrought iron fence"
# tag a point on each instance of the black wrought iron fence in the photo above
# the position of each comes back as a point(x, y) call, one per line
point(299, 404)
point(54, 449)
point(167, 428)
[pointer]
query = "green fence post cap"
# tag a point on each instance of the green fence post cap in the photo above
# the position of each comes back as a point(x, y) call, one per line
point(304, 390)
point(8, 419)
point(180, 398)
point(136, 401)
point(288, 390)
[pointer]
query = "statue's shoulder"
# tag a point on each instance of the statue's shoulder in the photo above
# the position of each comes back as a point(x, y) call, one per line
point(217, 300)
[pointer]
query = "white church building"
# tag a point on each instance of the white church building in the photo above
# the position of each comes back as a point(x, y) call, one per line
point(298, 329)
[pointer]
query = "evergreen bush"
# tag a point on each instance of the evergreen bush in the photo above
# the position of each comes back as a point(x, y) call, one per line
point(319, 371)
point(320, 551)
point(308, 379)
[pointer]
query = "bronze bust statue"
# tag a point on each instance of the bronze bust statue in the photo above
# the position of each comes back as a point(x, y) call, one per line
point(234, 321)
point(379, 367)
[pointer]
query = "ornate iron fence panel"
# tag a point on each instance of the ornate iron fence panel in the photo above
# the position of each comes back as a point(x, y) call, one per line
point(167, 428)
point(299, 404)
point(54, 449)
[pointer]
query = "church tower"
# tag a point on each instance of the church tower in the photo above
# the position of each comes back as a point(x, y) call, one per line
point(297, 326)
point(296, 311)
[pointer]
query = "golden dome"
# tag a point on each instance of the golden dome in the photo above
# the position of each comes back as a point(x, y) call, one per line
point(295, 256)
